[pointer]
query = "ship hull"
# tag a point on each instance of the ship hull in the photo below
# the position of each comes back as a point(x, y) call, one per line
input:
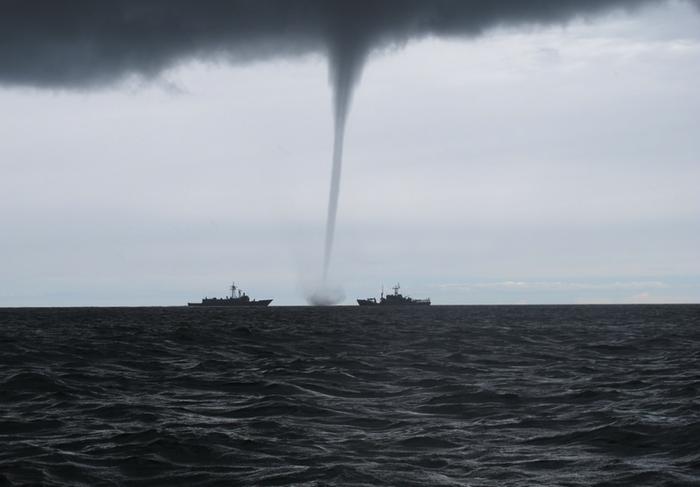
point(231, 303)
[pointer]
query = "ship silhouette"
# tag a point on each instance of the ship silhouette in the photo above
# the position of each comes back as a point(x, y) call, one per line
point(237, 298)
point(395, 299)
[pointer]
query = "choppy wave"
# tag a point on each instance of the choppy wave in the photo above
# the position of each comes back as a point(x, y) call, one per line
point(350, 396)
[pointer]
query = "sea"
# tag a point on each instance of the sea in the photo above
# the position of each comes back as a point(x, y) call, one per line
point(316, 396)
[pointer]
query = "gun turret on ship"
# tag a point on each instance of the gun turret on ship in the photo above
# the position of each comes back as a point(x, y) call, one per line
point(395, 299)
point(237, 298)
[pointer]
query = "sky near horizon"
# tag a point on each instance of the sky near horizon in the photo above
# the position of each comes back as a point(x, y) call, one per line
point(549, 164)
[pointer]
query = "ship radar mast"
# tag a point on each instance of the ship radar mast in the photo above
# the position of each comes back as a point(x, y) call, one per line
point(234, 288)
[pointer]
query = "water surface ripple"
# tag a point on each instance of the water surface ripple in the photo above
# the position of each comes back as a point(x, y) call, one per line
point(518, 396)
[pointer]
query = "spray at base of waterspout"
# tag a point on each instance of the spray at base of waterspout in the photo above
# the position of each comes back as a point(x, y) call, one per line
point(325, 295)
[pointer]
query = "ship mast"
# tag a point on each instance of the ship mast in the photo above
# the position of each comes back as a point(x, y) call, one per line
point(396, 289)
point(233, 290)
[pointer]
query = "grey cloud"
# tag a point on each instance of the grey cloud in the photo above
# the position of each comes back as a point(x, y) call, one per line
point(82, 43)
point(558, 285)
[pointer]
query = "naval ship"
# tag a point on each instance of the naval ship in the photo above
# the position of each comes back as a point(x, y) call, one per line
point(237, 298)
point(395, 299)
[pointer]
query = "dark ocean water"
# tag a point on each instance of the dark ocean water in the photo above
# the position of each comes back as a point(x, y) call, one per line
point(560, 395)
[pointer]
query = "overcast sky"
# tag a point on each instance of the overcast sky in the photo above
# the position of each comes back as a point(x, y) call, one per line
point(550, 164)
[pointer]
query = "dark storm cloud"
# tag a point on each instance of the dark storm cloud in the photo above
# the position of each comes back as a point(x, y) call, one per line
point(91, 42)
